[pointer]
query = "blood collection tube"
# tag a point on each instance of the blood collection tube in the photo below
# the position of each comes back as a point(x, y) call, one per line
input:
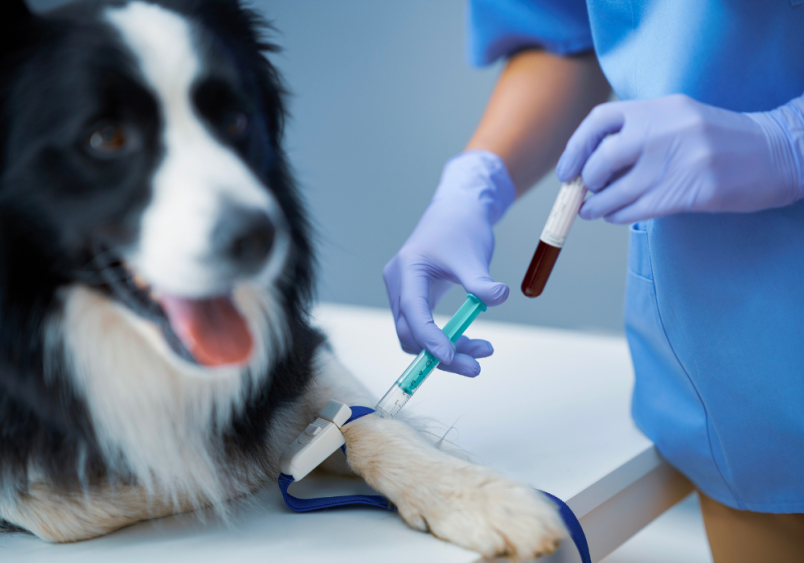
point(568, 203)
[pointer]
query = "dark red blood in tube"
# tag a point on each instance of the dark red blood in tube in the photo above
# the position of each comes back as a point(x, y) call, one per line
point(539, 271)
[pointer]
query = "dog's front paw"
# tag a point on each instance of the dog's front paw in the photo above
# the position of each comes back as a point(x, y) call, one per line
point(475, 508)
point(453, 499)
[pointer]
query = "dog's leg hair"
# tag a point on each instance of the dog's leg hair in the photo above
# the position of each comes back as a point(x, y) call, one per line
point(60, 517)
point(434, 492)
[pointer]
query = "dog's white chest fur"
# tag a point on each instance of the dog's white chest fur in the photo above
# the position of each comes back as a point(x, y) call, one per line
point(155, 415)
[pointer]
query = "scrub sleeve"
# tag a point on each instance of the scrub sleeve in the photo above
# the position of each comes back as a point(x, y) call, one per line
point(500, 28)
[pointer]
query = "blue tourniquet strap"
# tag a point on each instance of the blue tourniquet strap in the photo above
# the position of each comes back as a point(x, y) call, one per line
point(308, 504)
point(573, 527)
point(358, 412)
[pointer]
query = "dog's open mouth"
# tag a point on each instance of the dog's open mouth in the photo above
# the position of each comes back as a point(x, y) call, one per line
point(210, 331)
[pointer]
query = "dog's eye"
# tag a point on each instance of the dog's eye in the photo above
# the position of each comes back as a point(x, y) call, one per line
point(108, 140)
point(235, 124)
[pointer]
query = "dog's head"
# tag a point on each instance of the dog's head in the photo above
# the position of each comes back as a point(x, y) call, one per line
point(141, 156)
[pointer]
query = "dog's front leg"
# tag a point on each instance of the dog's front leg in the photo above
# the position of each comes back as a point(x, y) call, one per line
point(453, 499)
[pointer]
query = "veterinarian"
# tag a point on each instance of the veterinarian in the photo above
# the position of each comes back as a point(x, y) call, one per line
point(704, 155)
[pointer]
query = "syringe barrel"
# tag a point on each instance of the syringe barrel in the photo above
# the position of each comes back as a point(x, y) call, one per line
point(424, 364)
point(417, 372)
point(463, 317)
point(393, 401)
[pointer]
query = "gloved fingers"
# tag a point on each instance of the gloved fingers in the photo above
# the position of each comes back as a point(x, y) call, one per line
point(475, 278)
point(467, 352)
point(629, 214)
point(474, 348)
point(405, 335)
point(391, 276)
point(617, 195)
point(604, 120)
point(414, 305)
point(462, 365)
point(646, 207)
point(614, 154)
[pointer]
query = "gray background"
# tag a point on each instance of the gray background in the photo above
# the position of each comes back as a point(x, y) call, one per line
point(382, 97)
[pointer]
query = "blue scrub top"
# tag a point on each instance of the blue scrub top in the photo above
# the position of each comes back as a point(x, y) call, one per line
point(715, 303)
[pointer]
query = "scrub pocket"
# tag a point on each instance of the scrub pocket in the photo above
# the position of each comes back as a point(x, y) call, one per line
point(666, 405)
point(655, 364)
point(642, 322)
point(639, 252)
point(643, 325)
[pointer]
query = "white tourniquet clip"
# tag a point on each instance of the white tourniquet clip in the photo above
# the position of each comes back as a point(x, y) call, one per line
point(318, 441)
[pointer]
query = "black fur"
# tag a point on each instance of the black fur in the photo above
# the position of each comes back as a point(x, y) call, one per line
point(57, 71)
point(9, 528)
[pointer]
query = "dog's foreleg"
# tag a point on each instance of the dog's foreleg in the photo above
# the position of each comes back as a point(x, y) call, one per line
point(61, 517)
point(453, 499)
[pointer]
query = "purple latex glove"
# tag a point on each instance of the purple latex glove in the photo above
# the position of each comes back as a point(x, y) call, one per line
point(452, 243)
point(645, 159)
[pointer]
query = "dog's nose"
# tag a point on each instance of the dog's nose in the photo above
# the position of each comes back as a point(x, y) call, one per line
point(244, 237)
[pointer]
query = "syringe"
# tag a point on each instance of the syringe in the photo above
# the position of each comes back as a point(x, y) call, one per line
point(412, 378)
point(323, 437)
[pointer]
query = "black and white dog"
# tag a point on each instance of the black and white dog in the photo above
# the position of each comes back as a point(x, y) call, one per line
point(155, 280)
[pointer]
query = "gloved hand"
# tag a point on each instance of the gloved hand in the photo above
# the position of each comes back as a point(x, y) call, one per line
point(452, 243)
point(645, 159)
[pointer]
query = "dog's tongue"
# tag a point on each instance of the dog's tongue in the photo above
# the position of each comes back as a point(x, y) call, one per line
point(212, 330)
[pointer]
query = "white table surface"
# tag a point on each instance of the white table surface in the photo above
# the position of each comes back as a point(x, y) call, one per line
point(551, 409)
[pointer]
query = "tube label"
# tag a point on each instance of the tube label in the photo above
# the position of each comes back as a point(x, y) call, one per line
point(569, 200)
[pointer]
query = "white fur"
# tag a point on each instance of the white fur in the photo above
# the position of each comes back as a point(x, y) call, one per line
point(198, 174)
point(153, 413)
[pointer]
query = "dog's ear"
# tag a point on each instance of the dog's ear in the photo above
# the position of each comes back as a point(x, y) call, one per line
point(245, 28)
point(16, 20)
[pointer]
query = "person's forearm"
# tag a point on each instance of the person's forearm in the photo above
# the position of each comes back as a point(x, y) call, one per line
point(539, 101)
